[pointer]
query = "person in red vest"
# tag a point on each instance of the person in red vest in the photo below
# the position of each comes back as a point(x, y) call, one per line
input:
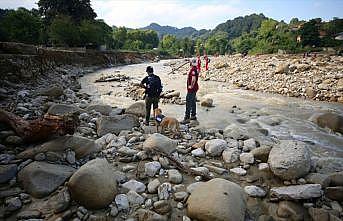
point(198, 64)
point(207, 60)
point(192, 88)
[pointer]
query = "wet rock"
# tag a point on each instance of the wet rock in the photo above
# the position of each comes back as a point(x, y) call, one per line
point(290, 159)
point(40, 179)
point(162, 206)
point(336, 179)
point(322, 179)
point(215, 147)
point(174, 176)
point(217, 199)
point(134, 198)
point(29, 214)
point(152, 168)
point(180, 196)
point(153, 185)
point(52, 91)
point(318, 214)
point(239, 171)
point(328, 165)
point(122, 202)
point(255, 191)
point(93, 185)
point(231, 155)
point(247, 158)
point(148, 215)
point(164, 191)
point(101, 108)
point(160, 143)
point(290, 210)
point(330, 120)
point(334, 193)
point(70, 157)
point(198, 152)
point(297, 192)
point(137, 109)
point(263, 166)
point(7, 172)
point(63, 109)
point(261, 153)
point(80, 145)
point(14, 140)
point(206, 102)
point(13, 204)
point(115, 124)
point(135, 186)
point(249, 144)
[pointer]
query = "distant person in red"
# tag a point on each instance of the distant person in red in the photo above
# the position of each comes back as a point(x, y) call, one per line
point(192, 88)
point(198, 64)
point(207, 60)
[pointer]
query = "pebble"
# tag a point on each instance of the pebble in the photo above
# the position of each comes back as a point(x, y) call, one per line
point(164, 191)
point(174, 176)
point(239, 171)
point(135, 186)
point(153, 185)
point(152, 168)
point(255, 191)
point(13, 204)
point(122, 202)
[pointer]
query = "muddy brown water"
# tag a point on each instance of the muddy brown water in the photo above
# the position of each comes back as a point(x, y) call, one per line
point(294, 113)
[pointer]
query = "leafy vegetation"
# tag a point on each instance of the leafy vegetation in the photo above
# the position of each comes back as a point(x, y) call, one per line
point(73, 23)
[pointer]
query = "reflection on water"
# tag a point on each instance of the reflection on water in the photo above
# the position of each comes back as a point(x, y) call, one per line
point(293, 113)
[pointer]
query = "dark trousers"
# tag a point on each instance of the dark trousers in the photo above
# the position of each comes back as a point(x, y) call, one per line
point(148, 102)
point(191, 105)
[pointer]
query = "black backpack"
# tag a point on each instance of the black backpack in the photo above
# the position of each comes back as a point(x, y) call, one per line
point(154, 86)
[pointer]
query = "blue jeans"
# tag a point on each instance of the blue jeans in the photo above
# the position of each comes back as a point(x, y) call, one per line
point(191, 105)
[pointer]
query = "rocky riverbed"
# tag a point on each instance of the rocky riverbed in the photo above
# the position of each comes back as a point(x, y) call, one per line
point(114, 168)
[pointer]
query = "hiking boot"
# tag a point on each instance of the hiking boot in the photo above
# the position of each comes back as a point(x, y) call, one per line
point(193, 118)
point(185, 121)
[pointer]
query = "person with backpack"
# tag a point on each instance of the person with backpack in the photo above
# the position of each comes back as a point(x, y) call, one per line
point(192, 88)
point(153, 88)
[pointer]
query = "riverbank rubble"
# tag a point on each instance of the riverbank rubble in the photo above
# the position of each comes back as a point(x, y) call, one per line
point(115, 168)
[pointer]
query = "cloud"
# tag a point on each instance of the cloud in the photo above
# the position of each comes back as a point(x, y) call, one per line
point(8, 4)
point(136, 14)
point(140, 13)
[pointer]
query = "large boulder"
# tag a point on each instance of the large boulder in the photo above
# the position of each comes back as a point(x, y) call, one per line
point(63, 109)
point(52, 91)
point(290, 159)
point(217, 200)
point(7, 172)
point(282, 68)
point(115, 124)
point(160, 143)
point(40, 178)
point(215, 147)
point(101, 108)
point(80, 145)
point(137, 109)
point(297, 192)
point(93, 185)
point(330, 120)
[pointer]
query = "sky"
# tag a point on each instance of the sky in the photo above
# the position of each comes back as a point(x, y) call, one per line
point(199, 13)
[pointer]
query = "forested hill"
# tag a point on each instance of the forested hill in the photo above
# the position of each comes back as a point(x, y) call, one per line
point(236, 27)
point(178, 32)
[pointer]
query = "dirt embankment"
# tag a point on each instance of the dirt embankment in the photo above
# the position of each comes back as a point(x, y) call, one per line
point(21, 62)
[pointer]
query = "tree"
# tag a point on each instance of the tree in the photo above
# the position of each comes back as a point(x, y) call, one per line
point(77, 10)
point(95, 33)
point(20, 25)
point(294, 21)
point(310, 33)
point(217, 43)
point(119, 37)
point(63, 31)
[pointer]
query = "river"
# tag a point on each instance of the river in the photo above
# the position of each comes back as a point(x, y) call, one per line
point(293, 113)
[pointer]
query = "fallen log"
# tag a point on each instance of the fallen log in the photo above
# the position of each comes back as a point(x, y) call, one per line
point(41, 129)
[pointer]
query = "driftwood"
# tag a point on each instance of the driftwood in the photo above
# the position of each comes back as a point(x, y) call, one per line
point(175, 69)
point(40, 129)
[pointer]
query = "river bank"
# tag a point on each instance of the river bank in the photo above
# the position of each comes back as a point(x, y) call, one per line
point(255, 174)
